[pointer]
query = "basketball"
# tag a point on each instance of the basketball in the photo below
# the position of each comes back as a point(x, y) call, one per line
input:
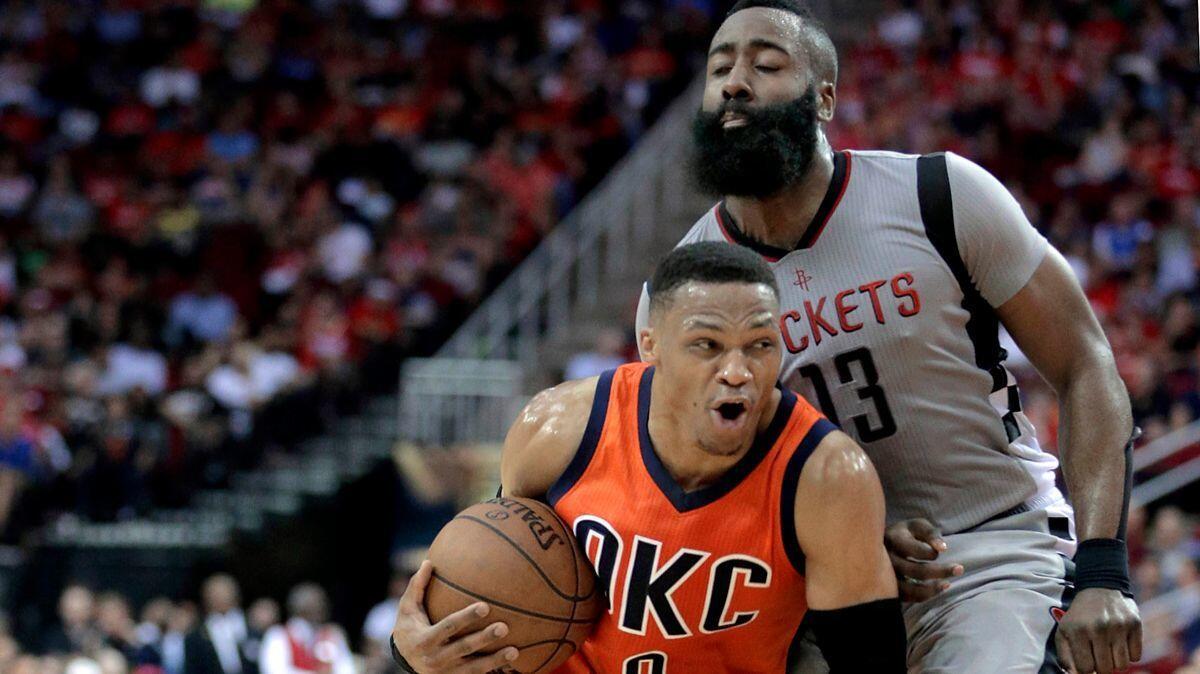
point(516, 555)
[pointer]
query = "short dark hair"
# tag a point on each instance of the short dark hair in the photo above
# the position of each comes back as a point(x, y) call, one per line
point(822, 54)
point(707, 262)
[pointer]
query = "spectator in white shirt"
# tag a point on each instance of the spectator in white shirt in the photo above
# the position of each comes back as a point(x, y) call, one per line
point(252, 377)
point(308, 643)
point(134, 365)
point(170, 83)
point(343, 251)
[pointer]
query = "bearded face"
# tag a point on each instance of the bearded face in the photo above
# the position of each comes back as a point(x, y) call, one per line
point(768, 148)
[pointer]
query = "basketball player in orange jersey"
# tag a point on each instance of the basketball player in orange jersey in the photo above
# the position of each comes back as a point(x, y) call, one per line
point(716, 507)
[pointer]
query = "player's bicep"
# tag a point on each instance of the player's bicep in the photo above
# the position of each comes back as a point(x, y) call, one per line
point(542, 441)
point(839, 524)
point(1055, 347)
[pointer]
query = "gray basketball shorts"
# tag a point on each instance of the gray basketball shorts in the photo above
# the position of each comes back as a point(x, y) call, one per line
point(999, 616)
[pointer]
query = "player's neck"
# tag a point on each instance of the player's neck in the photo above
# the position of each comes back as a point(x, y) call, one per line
point(781, 219)
point(675, 442)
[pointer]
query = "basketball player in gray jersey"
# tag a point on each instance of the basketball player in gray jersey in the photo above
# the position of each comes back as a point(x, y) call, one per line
point(896, 272)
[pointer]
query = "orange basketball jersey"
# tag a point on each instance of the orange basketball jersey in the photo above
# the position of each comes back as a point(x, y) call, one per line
point(702, 581)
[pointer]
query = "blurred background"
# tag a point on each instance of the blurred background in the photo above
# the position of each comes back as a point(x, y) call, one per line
point(276, 275)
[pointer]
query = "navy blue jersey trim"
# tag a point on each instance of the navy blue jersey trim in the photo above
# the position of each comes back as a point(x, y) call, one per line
point(684, 501)
point(937, 213)
point(791, 481)
point(587, 446)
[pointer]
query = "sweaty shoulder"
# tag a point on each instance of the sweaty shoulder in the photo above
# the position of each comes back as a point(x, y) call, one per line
point(837, 465)
point(543, 440)
point(838, 485)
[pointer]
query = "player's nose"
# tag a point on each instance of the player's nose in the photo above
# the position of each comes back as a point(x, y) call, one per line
point(737, 84)
point(735, 371)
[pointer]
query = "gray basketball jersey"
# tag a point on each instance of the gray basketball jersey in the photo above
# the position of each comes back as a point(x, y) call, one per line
point(888, 327)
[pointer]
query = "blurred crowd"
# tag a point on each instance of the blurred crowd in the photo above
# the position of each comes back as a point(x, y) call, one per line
point(223, 222)
point(1164, 557)
point(101, 633)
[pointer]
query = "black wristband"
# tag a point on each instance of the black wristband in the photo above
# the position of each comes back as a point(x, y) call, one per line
point(404, 666)
point(1103, 563)
point(840, 637)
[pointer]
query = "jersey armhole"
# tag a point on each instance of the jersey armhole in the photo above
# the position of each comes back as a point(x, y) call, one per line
point(936, 204)
point(791, 481)
point(587, 446)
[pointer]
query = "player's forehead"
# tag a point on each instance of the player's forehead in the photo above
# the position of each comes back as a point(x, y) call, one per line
point(697, 305)
point(759, 27)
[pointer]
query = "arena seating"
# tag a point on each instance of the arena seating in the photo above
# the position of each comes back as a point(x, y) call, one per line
point(217, 218)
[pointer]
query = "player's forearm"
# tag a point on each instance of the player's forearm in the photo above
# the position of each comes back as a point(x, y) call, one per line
point(1097, 425)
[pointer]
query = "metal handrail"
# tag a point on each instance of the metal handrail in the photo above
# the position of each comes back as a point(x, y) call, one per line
point(1174, 478)
point(1166, 483)
point(1171, 443)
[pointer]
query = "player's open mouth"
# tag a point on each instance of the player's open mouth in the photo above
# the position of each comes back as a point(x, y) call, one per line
point(729, 415)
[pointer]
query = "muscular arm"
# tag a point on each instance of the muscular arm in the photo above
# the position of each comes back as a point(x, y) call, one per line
point(1040, 302)
point(542, 441)
point(1052, 323)
point(850, 584)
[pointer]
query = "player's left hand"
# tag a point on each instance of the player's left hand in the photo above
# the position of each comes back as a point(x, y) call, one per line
point(1102, 633)
point(913, 546)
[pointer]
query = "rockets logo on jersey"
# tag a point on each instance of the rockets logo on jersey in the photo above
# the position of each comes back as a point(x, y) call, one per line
point(650, 583)
point(828, 316)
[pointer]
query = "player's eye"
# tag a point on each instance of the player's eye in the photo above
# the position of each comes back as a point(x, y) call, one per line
point(767, 69)
point(721, 70)
point(704, 344)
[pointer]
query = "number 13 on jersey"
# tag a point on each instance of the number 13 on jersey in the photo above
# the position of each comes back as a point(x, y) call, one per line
point(855, 367)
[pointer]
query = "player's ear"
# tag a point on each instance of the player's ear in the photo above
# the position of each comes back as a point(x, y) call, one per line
point(826, 101)
point(648, 345)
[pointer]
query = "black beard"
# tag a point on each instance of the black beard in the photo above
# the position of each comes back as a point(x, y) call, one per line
point(771, 151)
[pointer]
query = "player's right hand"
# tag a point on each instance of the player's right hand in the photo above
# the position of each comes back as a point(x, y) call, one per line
point(913, 546)
point(450, 646)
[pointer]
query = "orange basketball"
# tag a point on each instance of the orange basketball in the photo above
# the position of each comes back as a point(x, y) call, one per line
point(516, 555)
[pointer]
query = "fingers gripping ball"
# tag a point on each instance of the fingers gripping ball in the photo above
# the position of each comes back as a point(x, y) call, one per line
point(519, 558)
